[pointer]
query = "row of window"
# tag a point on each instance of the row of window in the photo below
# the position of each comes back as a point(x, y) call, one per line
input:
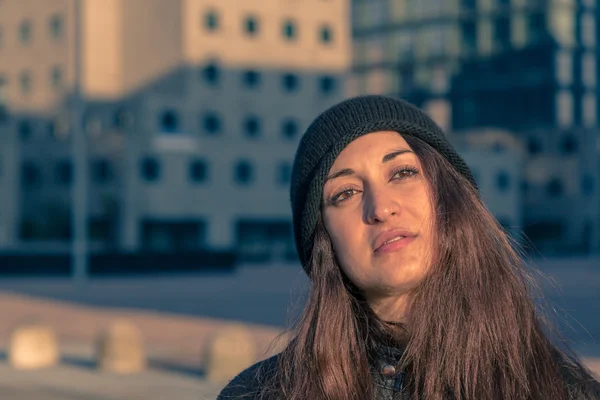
point(290, 82)
point(26, 30)
point(568, 145)
point(101, 171)
point(251, 26)
point(150, 171)
point(212, 124)
point(26, 80)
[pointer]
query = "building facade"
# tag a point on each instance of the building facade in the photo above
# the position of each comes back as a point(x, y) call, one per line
point(529, 67)
point(192, 113)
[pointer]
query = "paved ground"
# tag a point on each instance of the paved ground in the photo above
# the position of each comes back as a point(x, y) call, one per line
point(177, 314)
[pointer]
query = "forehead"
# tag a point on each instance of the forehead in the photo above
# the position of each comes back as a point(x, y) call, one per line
point(369, 146)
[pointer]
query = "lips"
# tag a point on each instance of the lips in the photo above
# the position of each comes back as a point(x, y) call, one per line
point(390, 236)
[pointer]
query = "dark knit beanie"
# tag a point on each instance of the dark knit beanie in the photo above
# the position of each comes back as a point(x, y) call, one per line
point(331, 132)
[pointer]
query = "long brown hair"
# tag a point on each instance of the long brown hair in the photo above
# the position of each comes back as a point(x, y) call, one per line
point(472, 330)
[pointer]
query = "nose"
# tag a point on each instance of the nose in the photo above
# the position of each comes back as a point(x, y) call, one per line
point(380, 205)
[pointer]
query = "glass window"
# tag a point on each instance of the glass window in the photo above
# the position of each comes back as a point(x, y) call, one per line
point(284, 173)
point(534, 145)
point(251, 78)
point(169, 121)
point(469, 36)
point(568, 144)
point(563, 25)
point(25, 30)
point(589, 69)
point(25, 80)
point(326, 34)
point(327, 84)
point(290, 82)
point(589, 109)
point(502, 31)
point(150, 169)
point(56, 77)
point(30, 174)
point(535, 26)
point(588, 30)
point(211, 74)
point(289, 30)
point(503, 181)
point(102, 171)
point(252, 126)
point(212, 123)
point(56, 26)
point(587, 185)
point(564, 108)
point(564, 67)
point(198, 171)
point(243, 172)
point(64, 172)
point(251, 25)
point(211, 21)
point(25, 130)
point(289, 128)
point(554, 187)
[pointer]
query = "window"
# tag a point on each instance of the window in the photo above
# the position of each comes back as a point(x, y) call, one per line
point(589, 70)
point(289, 129)
point(122, 118)
point(468, 5)
point(251, 25)
point(587, 185)
point(102, 171)
point(554, 188)
point(327, 84)
point(588, 30)
point(211, 74)
point(503, 181)
point(564, 108)
point(568, 144)
point(25, 130)
point(536, 26)
point(56, 27)
point(25, 32)
point(290, 82)
point(469, 36)
point(169, 121)
point(564, 68)
point(1, 37)
point(198, 171)
point(64, 172)
point(211, 21)
point(326, 34)
point(289, 30)
point(589, 109)
point(252, 126)
point(284, 173)
point(212, 123)
point(502, 31)
point(56, 77)
point(243, 172)
point(25, 80)
point(150, 169)
point(533, 145)
point(251, 78)
point(30, 174)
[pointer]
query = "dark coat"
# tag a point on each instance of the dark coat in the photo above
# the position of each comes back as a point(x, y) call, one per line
point(387, 383)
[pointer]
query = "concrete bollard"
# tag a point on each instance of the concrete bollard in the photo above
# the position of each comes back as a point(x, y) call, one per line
point(33, 346)
point(120, 349)
point(228, 352)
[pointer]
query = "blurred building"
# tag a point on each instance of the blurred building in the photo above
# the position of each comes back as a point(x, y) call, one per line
point(527, 66)
point(192, 112)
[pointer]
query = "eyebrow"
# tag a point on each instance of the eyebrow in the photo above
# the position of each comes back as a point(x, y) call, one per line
point(387, 158)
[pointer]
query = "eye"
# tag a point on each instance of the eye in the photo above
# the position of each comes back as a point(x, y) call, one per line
point(404, 172)
point(342, 195)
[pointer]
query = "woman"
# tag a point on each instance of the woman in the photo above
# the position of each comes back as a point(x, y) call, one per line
point(416, 291)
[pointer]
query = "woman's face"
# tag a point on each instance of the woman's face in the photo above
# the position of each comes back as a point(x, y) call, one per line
point(378, 213)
